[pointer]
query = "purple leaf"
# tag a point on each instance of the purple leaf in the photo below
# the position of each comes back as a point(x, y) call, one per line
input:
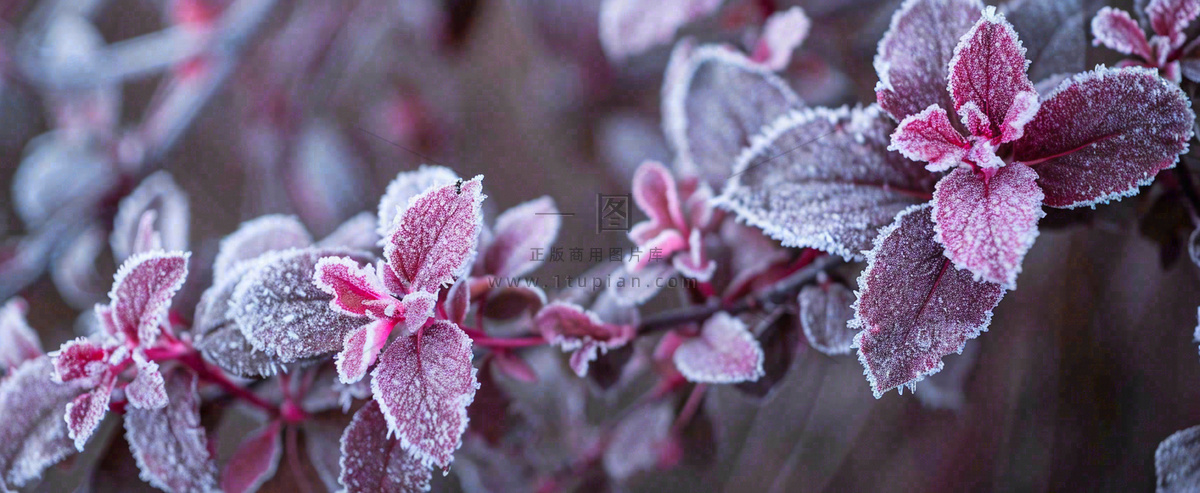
point(406, 186)
point(33, 435)
point(147, 390)
point(915, 53)
point(458, 301)
point(913, 306)
point(782, 33)
point(355, 289)
point(356, 233)
point(1177, 462)
point(656, 194)
point(630, 27)
point(576, 330)
point(418, 309)
point(1053, 34)
point(282, 314)
point(825, 312)
point(436, 236)
point(639, 441)
point(988, 72)
point(714, 99)
point(83, 415)
point(423, 385)
point(258, 236)
point(1171, 17)
point(254, 462)
point(824, 179)
point(1117, 31)
point(986, 225)
point(360, 348)
point(218, 336)
point(18, 342)
point(1087, 153)
point(159, 194)
point(169, 444)
point(518, 232)
point(371, 461)
point(929, 136)
point(142, 292)
point(724, 352)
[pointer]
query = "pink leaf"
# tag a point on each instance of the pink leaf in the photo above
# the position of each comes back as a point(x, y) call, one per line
point(1177, 462)
point(254, 462)
point(436, 236)
point(356, 290)
point(258, 236)
point(693, 263)
point(913, 306)
point(987, 225)
point(667, 243)
point(639, 441)
point(636, 288)
point(418, 308)
point(518, 232)
point(630, 27)
point(80, 359)
point(406, 186)
point(714, 100)
point(458, 301)
point(656, 194)
point(572, 328)
point(515, 367)
point(916, 51)
point(18, 341)
point(371, 461)
point(1171, 17)
point(170, 444)
point(724, 352)
point(160, 195)
point(423, 384)
point(1054, 35)
point(83, 415)
point(1103, 133)
point(929, 136)
point(824, 179)
point(142, 292)
point(357, 233)
point(361, 347)
point(988, 70)
point(825, 312)
point(147, 391)
point(1115, 29)
point(33, 435)
point(282, 314)
point(782, 33)
point(218, 336)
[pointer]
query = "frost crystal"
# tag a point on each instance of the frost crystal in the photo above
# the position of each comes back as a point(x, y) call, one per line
point(404, 187)
point(170, 444)
point(218, 336)
point(782, 33)
point(581, 332)
point(258, 236)
point(18, 341)
point(147, 390)
point(1177, 462)
point(159, 194)
point(724, 352)
point(435, 237)
point(33, 435)
point(825, 312)
point(372, 461)
point(142, 292)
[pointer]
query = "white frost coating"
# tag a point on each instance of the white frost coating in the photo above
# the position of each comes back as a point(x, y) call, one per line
point(158, 192)
point(257, 236)
point(404, 187)
point(724, 352)
point(882, 67)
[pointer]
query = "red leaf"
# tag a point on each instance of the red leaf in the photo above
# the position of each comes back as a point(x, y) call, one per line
point(418, 309)
point(254, 462)
point(1087, 153)
point(724, 352)
point(258, 236)
point(423, 384)
point(913, 306)
point(1171, 17)
point(361, 347)
point(929, 136)
point(518, 232)
point(84, 414)
point(371, 461)
point(142, 292)
point(987, 225)
point(80, 360)
point(825, 312)
point(1115, 29)
point(18, 341)
point(406, 186)
point(436, 236)
point(160, 195)
point(782, 33)
point(33, 434)
point(916, 51)
point(572, 328)
point(169, 444)
point(147, 390)
point(988, 71)
point(356, 290)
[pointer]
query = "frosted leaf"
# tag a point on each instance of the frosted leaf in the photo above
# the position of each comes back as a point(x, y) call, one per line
point(987, 226)
point(576, 330)
point(656, 194)
point(913, 306)
point(824, 179)
point(668, 242)
point(436, 236)
point(280, 311)
point(220, 339)
point(373, 462)
point(825, 312)
point(254, 462)
point(724, 352)
point(147, 390)
point(418, 308)
point(1117, 31)
point(714, 99)
point(914, 54)
point(75, 272)
point(458, 301)
point(360, 348)
point(782, 33)
point(147, 237)
point(630, 27)
point(423, 385)
point(158, 193)
point(357, 233)
point(33, 435)
point(638, 442)
point(988, 70)
point(507, 302)
point(693, 263)
point(170, 444)
point(1053, 34)
point(518, 232)
point(56, 173)
point(1177, 462)
point(636, 288)
point(258, 236)
point(1103, 133)
point(18, 341)
point(324, 175)
point(142, 292)
point(80, 360)
point(929, 136)
point(355, 289)
point(404, 187)
point(83, 415)
point(1171, 17)
point(946, 389)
